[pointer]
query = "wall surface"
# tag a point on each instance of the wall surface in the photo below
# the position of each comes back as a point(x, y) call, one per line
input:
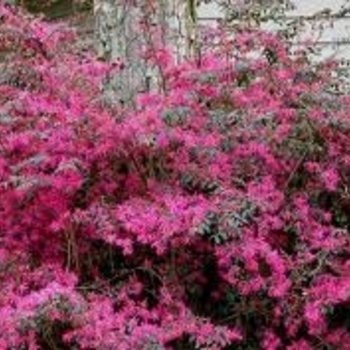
point(333, 37)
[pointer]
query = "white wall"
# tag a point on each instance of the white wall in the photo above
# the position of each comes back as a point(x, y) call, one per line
point(333, 38)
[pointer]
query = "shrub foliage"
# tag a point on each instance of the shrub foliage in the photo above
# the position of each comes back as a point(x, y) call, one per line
point(214, 215)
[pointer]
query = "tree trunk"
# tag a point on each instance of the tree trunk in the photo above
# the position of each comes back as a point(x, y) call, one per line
point(117, 40)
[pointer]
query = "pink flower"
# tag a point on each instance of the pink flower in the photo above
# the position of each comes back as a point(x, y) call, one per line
point(330, 178)
point(315, 319)
point(271, 341)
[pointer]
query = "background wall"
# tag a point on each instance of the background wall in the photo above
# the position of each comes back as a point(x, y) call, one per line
point(332, 34)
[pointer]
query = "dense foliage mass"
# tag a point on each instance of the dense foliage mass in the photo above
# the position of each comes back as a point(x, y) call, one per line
point(213, 216)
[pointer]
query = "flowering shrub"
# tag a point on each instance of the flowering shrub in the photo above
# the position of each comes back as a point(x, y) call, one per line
point(213, 216)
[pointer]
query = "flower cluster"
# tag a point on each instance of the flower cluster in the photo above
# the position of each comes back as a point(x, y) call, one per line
point(214, 214)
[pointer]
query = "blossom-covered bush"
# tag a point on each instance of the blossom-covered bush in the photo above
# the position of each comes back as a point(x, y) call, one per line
point(215, 215)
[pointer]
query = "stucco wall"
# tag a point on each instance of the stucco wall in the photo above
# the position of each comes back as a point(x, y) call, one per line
point(332, 36)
